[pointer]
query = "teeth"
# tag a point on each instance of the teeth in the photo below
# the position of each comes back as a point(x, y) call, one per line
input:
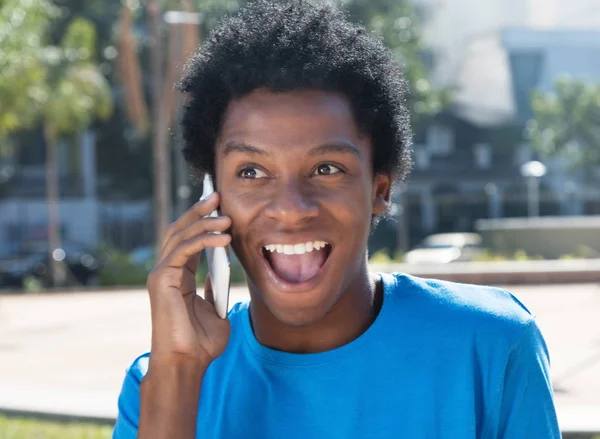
point(297, 249)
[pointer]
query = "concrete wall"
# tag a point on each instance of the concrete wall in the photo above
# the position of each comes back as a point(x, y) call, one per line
point(503, 273)
point(549, 237)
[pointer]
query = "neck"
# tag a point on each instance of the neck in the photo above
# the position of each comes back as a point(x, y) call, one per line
point(353, 313)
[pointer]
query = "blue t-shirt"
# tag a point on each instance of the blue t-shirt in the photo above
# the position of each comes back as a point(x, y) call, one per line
point(442, 360)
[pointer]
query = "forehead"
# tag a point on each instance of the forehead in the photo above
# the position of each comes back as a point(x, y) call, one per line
point(305, 117)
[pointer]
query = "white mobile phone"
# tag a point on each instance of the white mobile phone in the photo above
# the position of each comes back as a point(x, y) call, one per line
point(218, 263)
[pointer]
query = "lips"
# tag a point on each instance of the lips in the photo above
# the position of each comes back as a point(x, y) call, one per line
point(297, 267)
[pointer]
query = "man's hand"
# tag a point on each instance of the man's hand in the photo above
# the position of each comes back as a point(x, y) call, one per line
point(185, 326)
point(187, 333)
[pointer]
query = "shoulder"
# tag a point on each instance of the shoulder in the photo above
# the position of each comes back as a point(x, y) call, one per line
point(139, 367)
point(477, 308)
point(237, 312)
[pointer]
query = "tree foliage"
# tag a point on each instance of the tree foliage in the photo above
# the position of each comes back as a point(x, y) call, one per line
point(23, 61)
point(566, 122)
point(57, 85)
point(396, 22)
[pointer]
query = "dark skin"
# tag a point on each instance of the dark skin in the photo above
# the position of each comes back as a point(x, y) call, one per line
point(294, 167)
point(290, 168)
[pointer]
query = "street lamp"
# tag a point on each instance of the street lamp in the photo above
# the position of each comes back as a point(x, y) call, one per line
point(177, 20)
point(533, 171)
point(182, 17)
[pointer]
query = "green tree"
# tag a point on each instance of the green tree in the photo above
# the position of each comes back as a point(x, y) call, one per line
point(566, 122)
point(396, 22)
point(57, 86)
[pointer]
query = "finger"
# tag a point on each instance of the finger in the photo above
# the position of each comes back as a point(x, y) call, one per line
point(181, 254)
point(208, 291)
point(196, 228)
point(196, 212)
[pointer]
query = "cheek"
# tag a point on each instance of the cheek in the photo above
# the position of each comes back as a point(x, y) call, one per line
point(242, 208)
point(352, 212)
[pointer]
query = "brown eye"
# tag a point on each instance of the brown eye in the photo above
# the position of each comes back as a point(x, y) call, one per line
point(252, 173)
point(326, 169)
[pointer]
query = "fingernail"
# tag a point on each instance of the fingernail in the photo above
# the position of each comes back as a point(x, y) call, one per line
point(210, 196)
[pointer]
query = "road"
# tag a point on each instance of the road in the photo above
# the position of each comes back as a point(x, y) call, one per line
point(67, 353)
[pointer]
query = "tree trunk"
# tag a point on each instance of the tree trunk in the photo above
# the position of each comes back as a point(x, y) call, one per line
point(57, 274)
point(161, 154)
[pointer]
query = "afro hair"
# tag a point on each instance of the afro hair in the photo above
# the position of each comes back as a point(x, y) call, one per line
point(289, 45)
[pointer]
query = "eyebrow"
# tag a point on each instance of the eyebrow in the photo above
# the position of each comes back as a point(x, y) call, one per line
point(338, 147)
point(243, 148)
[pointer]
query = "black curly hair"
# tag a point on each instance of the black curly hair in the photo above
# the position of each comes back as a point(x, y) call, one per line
point(288, 45)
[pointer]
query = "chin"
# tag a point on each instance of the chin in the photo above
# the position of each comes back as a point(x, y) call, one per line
point(300, 313)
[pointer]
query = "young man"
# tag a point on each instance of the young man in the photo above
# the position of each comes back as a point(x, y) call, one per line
point(300, 117)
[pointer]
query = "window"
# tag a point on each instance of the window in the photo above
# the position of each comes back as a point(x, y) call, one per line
point(422, 157)
point(440, 140)
point(526, 68)
point(483, 155)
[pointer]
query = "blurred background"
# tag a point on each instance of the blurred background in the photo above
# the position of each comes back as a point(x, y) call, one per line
point(505, 107)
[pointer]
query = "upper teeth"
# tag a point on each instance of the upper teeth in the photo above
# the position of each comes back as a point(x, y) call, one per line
point(297, 249)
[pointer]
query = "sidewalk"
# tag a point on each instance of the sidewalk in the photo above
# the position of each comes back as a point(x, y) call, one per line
point(66, 354)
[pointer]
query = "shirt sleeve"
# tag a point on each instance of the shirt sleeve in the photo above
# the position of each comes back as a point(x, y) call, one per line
point(527, 405)
point(126, 426)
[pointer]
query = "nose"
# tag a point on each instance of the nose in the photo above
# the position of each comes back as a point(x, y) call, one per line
point(291, 204)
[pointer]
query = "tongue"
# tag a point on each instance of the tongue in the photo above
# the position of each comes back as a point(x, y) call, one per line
point(297, 268)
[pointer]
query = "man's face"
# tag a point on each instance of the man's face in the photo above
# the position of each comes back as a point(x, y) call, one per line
point(295, 176)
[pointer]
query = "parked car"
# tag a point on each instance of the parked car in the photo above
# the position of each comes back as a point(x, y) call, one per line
point(32, 259)
point(445, 247)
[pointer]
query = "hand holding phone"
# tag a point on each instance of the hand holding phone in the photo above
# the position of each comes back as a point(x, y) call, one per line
point(218, 263)
point(184, 325)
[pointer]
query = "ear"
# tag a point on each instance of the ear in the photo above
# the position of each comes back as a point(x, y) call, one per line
point(382, 188)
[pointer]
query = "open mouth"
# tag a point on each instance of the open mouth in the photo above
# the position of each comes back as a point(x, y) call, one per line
point(297, 263)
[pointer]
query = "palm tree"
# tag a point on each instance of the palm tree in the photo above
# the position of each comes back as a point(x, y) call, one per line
point(63, 87)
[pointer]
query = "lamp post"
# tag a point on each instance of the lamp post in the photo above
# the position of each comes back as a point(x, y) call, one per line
point(177, 20)
point(533, 171)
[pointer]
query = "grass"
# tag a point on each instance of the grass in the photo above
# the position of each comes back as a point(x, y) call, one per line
point(25, 428)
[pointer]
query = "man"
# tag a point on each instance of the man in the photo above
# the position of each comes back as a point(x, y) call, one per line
point(300, 118)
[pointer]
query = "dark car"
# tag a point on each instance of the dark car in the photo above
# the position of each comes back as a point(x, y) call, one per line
point(32, 260)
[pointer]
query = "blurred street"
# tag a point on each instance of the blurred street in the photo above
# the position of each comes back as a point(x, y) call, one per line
point(67, 353)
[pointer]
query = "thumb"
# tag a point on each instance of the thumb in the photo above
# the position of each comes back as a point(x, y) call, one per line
point(208, 291)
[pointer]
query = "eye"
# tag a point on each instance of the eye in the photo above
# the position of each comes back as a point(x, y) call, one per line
point(327, 169)
point(252, 173)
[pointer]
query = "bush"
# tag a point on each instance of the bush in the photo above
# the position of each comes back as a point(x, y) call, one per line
point(582, 252)
point(488, 255)
point(118, 270)
point(383, 257)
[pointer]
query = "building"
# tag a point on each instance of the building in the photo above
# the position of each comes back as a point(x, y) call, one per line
point(492, 54)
